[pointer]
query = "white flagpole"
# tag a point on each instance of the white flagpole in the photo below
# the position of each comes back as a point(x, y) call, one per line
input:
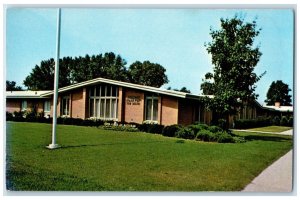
point(53, 145)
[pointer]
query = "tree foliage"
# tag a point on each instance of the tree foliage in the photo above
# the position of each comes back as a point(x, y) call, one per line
point(11, 86)
point(183, 89)
point(278, 92)
point(234, 58)
point(147, 73)
point(207, 86)
point(108, 65)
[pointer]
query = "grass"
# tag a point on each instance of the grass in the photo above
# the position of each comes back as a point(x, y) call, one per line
point(274, 129)
point(93, 159)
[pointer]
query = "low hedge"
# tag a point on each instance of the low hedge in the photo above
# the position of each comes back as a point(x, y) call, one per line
point(170, 131)
point(185, 133)
point(263, 121)
point(151, 128)
point(252, 123)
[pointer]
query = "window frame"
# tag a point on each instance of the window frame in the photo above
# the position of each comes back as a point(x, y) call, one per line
point(67, 98)
point(24, 105)
point(152, 98)
point(108, 100)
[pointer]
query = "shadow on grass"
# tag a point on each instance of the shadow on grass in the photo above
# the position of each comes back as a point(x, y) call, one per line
point(106, 144)
point(266, 138)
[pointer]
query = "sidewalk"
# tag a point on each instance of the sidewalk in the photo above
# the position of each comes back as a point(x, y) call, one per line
point(288, 132)
point(276, 178)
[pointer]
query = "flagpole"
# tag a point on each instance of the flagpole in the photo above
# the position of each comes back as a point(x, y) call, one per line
point(53, 145)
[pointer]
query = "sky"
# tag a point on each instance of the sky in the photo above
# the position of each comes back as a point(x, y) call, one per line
point(173, 38)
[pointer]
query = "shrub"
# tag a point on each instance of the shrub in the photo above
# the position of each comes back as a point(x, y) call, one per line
point(185, 133)
point(284, 121)
point(276, 121)
point(197, 127)
point(222, 124)
point(215, 129)
point(223, 137)
point(290, 122)
point(205, 135)
point(9, 116)
point(150, 128)
point(170, 131)
point(252, 123)
point(120, 128)
point(237, 139)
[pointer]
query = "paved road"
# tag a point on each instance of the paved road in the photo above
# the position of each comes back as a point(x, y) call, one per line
point(276, 178)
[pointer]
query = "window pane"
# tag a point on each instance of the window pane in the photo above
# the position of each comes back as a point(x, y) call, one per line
point(102, 108)
point(68, 106)
point(114, 91)
point(102, 91)
point(107, 109)
point(148, 109)
point(155, 109)
point(113, 108)
point(92, 91)
point(97, 114)
point(108, 91)
point(97, 91)
point(47, 106)
point(24, 105)
point(91, 107)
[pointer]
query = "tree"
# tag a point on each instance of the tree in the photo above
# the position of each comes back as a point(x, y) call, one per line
point(183, 89)
point(75, 70)
point(234, 59)
point(11, 86)
point(278, 92)
point(42, 77)
point(207, 86)
point(147, 73)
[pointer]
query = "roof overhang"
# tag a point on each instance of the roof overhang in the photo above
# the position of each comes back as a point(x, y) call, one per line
point(127, 85)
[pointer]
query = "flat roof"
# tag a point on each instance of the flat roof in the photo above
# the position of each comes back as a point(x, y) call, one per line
point(26, 94)
point(280, 108)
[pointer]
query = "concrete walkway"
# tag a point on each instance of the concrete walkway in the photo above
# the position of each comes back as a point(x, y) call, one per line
point(276, 178)
point(288, 132)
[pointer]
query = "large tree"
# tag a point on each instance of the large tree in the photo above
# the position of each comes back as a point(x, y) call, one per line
point(234, 58)
point(278, 92)
point(42, 76)
point(109, 65)
point(147, 73)
point(78, 69)
point(11, 86)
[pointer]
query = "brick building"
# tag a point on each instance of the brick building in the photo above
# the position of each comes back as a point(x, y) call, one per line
point(114, 100)
point(126, 102)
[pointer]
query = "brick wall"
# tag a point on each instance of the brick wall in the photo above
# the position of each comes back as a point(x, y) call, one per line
point(186, 112)
point(169, 111)
point(13, 105)
point(133, 105)
point(77, 105)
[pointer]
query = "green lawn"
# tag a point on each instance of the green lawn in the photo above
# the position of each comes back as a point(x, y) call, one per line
point(93, 159)
point(274, 129)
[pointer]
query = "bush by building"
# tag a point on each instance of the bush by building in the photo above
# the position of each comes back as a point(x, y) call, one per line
point(185, 133)
point(170, 131)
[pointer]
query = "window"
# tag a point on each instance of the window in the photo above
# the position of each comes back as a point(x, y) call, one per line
point(104, 102)
point(47, 106)
point(65, 106)
point(151, 108)
point(24, 105)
